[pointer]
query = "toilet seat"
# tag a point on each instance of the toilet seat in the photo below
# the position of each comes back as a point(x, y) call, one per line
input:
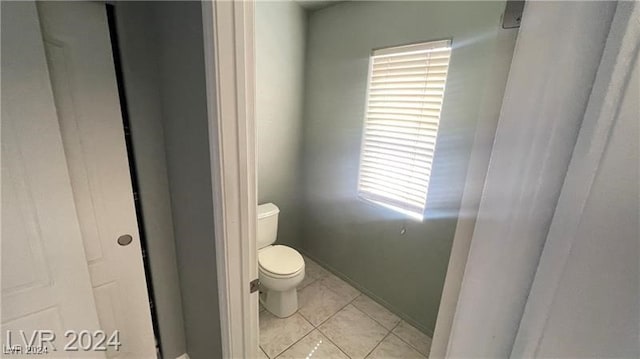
point(280, 261)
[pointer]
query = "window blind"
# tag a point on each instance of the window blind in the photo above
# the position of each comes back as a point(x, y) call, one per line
point(404, 100)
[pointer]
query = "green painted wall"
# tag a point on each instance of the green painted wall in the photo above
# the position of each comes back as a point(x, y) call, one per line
point(280, 49)
point(359, 241)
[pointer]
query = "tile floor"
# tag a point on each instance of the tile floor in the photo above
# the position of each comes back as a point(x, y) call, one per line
point(335, 320)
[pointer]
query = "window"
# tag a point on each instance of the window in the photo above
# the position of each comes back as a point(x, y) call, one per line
point(404, 100)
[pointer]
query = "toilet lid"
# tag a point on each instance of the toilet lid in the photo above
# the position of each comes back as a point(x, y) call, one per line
point(280, 260)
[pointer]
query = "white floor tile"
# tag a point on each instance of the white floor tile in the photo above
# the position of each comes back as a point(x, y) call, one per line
point(317, 303)
point(376, 311)
point(306, 281)
point(392, 347)
point(313, 270)
point(339, 286)
point(349, 325)
point(417, 339)
point(353, 332)
point(313, 345)
point(278, 334)
point(261, 355)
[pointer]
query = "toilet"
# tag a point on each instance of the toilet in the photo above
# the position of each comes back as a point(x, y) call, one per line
point(280, 268)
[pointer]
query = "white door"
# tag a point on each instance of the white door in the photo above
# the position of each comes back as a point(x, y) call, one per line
point(45, 281)
point(585, 298)
point(78, 48)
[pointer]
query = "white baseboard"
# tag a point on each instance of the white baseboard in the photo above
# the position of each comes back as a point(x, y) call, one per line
point(183, 356)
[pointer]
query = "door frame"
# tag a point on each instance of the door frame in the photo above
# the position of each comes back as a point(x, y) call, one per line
point(228, 28)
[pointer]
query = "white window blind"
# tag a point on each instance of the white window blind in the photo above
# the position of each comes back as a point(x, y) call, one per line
point(404, 100)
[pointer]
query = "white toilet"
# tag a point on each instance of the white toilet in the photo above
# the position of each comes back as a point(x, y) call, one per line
point(280, 268)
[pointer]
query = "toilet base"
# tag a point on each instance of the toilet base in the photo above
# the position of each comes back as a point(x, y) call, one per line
point(281, 304)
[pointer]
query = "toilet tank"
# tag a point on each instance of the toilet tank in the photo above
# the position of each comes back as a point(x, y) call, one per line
point(267, 230)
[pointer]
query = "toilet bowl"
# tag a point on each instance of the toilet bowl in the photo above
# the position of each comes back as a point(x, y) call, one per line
point(280, 268)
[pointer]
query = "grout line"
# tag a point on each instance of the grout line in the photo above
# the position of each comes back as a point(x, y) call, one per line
point(370, 294)
point(397, 336)
point(406, 342)
point(374, 319)
point(331, 316)
point(378, 344)
point(397, 325)
point(385, 337)
point(334, 292)
point(339, 310)
point(296, 342)
point(342, 308)
point(317, 327)
point(337, 346)
point(315, 279)
point(262, 350)
point(308, 284)
point(365, 313)
point(390, 330)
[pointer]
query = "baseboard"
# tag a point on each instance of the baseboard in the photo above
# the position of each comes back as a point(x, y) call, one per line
point(183, 356)
point(368, 293)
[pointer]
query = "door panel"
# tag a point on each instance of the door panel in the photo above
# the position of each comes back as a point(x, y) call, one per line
point(45, 281)
point(596, 303)
point(78, 47)
point(585, 297)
